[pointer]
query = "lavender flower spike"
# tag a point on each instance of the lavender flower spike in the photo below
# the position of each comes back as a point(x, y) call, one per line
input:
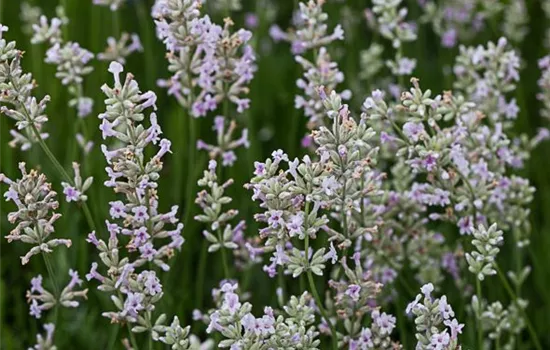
point(16, 93)
point(35, 214)
point(76, 193)
point(45, 342)
point(137, 220)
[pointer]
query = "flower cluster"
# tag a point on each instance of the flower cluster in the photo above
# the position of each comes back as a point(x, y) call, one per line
point(40, 299)
point(311, 30)
point(499, 321)
point(292, 202)
point(461, 20)
point(311, 34)
point(388, 19)
point(35, 215)
point(377, 336)
point(70, 59)
point(397, 196)
point(516, 20)
point(45, 343)
point(293, 329)
point(319, 77)
point(140, 220)
point(211, 202)
point(76, 193)
point(29, 15)
point(485, 75)
point(209, 63)
point(436, 327)
point(466, 163)
point(226, 145)
point(486, 241)
point(118, 50)
point(16, 89)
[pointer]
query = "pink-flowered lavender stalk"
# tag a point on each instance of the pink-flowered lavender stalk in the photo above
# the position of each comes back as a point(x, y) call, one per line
point(34, 218)
point(118, 50)
point(149, 236)
point(458, 21)
point(211, 66)
point(70, 59)
point(16, 87)
point(311, 37)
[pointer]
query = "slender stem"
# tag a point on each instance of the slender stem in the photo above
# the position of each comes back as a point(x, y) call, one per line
point(478, 316)
point(318, 300)
point(52, 275)
point(132, 337)
point(224, 255)
point(319, 303)
point(116, 24)
point(201, 269)
point(50, 155)
point(400, 324)
point(190, 173)
point(514, 298)
point(57, 293)
point(113, 337)
point(282, 284)
point(61, 170)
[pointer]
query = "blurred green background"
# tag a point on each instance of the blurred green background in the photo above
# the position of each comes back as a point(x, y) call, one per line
point(273, 123)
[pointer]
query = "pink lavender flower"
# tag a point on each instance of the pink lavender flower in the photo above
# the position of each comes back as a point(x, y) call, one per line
point(119, 50)
point(35, 215)
point(137, 216)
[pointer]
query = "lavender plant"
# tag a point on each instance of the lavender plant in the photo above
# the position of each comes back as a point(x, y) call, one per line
point(312, 35)
point(408, 190)
point(70, 59)
point(134, 293)
point(16, 87)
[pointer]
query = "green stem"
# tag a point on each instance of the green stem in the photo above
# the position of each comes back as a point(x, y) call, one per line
point(132, 337)
point(57, 293)
point(514, 298)
point(313, 288)
point(49, 267)
point(224, 255)
point(318, 300)
point(478, 316)
point(201, 269)
point(61, 170)
point(113, 337)
point(400, 324)
point(116, 24)
point(282, 284)
point(319, 303)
